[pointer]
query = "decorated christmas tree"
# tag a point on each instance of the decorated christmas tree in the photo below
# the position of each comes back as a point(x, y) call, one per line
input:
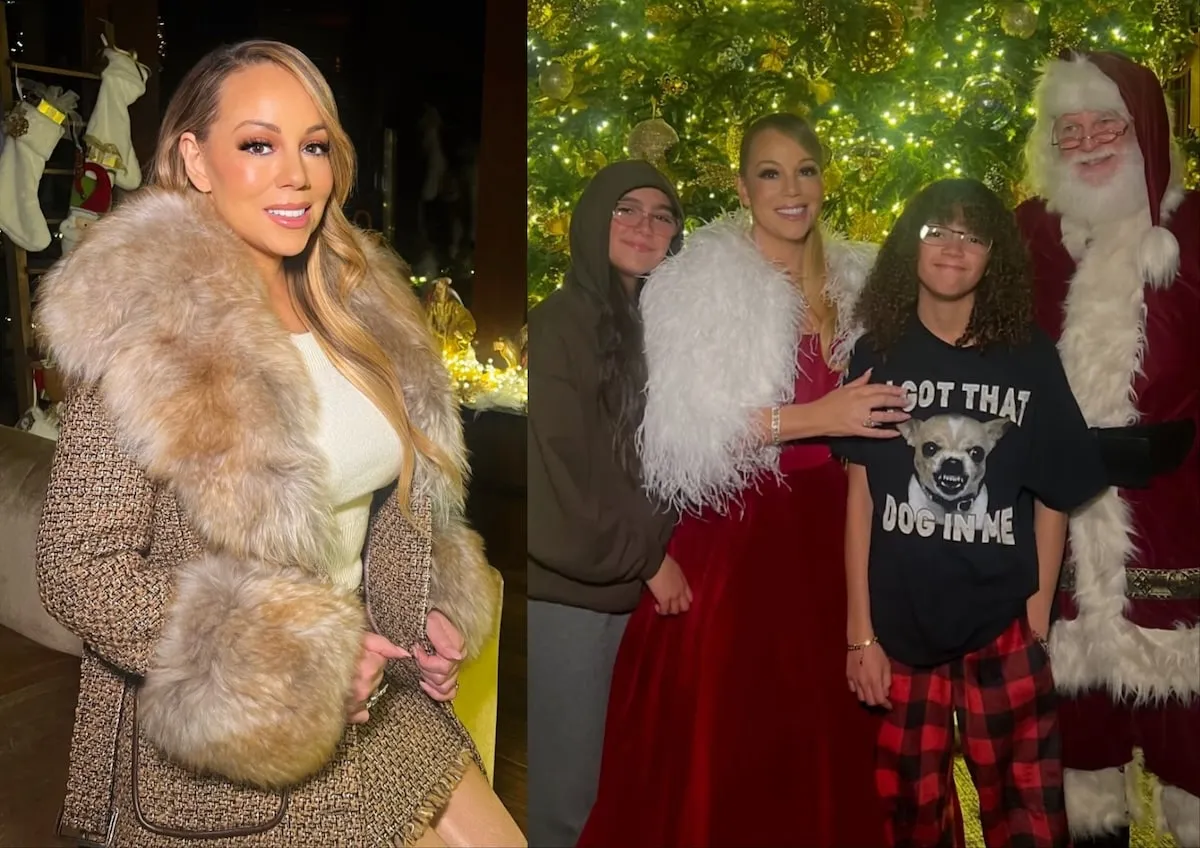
point(902, 92)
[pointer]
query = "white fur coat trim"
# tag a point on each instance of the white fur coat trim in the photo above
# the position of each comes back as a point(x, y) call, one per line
point(1102, 344)
point(722, 326)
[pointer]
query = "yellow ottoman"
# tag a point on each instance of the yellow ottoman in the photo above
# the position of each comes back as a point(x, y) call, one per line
point(478, 685)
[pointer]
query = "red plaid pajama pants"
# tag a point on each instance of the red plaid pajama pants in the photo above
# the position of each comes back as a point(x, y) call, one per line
point(1003, 696)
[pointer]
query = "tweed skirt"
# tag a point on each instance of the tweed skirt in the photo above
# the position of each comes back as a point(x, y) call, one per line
point(388, 780)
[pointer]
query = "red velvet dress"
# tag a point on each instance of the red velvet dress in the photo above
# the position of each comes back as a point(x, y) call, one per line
point(732, 724)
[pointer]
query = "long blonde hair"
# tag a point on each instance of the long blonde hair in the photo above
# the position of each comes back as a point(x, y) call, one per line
point(322, 280)
point(813, 274)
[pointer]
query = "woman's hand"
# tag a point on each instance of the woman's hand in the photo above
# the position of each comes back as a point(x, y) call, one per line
point(858, 409)
point(670, 588)
point(376, 652)
point(869, 673)
point(439, 670)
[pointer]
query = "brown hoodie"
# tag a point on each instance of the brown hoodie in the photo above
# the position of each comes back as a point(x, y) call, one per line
point(594, 537)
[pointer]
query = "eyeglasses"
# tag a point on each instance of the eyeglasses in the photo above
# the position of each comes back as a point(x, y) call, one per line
point(935, 235)
point(661, 223)
point(1072, 136)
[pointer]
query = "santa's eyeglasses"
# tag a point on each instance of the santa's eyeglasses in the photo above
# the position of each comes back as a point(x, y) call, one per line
point(1072, 136)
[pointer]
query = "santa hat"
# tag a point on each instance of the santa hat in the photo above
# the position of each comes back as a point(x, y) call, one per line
point(1110, 82)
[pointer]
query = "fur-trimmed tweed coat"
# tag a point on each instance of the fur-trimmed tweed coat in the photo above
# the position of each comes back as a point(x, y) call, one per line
point(183, 539)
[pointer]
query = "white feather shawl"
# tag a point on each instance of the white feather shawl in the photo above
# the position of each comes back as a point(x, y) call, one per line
point(722, 327)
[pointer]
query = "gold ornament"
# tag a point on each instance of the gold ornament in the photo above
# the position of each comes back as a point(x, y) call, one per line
point(918, 10)
point(591, 162)
point(509, 351)
point(832, 176)
point(869, 227)
point(632, 77)
point(815, 15)
point(556, 81)
point(554, 19)
point(733, 142)
point(989, 101)
point(663, 13)
point(1019, 20)
point(821, 89)
point(558, 224)
point(717, 176)
point(775, 59)
point(865, 157)
point(1067, 27)
point(1191, 179)
point(672, 85)
point(871, 36)
point(452, 324)
point(651, 139)
point(15, 122)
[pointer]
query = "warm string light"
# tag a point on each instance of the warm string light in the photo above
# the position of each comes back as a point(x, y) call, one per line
point(482, 385)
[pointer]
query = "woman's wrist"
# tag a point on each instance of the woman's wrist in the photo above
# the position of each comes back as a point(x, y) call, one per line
point(802, 421)
point(862, 644)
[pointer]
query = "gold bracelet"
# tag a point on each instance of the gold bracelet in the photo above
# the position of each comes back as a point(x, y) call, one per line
point(774, 425)
point(862, 646)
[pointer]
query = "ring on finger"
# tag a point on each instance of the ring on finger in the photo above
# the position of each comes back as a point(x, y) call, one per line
point(870, 422)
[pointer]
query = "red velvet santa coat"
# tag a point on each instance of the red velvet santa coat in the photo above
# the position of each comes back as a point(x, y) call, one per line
point(1132, 353)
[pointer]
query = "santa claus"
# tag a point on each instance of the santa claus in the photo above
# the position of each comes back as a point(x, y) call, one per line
point(1115, 243)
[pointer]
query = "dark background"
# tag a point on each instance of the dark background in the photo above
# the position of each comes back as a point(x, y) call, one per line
point(392, 65)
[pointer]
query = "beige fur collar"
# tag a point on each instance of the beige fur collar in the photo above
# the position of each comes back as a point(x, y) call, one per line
point(162, 308)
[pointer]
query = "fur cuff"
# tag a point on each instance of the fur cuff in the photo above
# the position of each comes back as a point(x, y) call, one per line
point(1158, 256)
point(461, 584)
point(252, 673)
point(1096, 801)
point(1181, 814)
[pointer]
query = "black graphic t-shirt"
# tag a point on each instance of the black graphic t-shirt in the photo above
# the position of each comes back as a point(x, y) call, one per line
point(953, 558)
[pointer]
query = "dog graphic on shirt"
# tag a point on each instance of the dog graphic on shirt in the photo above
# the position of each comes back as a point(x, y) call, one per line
point(950, 463)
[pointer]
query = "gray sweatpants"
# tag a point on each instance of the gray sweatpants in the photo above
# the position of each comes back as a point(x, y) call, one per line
point(570, 661)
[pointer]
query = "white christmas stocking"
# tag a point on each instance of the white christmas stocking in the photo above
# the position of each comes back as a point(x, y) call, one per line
point(33, 133)
point(121, 83)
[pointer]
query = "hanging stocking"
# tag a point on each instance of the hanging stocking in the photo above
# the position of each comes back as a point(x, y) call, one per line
point(33, 133)
point(91, 197)
point(121, 83)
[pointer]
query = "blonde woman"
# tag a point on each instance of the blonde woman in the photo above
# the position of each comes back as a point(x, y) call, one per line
point(254, 520)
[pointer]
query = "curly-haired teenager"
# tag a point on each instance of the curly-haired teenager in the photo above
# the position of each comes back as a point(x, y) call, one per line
point(955, 532)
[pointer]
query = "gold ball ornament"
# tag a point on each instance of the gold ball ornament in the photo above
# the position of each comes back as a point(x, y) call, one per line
point(989, 101)
point(871, 36)
point(651, 139)
point(1019, 20)
point(556, 81)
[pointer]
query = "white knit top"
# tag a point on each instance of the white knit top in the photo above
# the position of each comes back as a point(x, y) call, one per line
point(361, 449)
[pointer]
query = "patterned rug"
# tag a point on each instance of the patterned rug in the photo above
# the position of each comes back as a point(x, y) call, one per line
point(1142, 835)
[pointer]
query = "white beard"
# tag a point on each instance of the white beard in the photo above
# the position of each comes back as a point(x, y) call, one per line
point(1090, 205)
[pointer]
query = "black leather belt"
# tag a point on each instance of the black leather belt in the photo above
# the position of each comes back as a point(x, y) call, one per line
point(1133, 456)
